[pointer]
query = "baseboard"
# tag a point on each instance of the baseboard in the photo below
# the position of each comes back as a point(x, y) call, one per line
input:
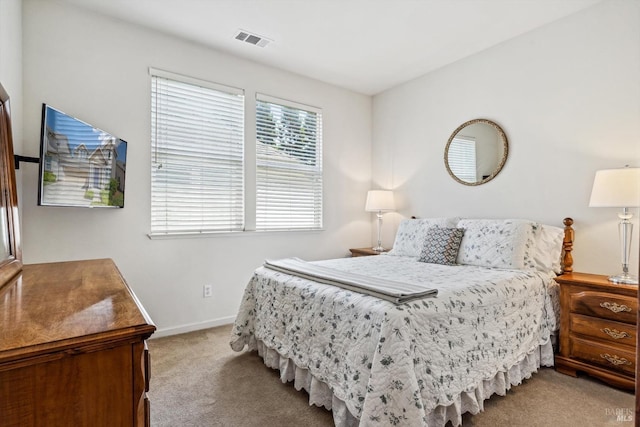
point(165, 332)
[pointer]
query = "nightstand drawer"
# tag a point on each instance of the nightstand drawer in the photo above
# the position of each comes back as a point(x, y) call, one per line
point(605, 305)
point(611, 357)
point(607, 330)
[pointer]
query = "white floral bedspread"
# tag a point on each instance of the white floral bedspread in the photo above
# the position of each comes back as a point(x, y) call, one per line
point(393, 364)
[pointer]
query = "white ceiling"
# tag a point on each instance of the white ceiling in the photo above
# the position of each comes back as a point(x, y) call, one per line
point(367, 46)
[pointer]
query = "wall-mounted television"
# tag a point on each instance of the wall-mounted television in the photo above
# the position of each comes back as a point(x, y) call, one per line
point(80, 165)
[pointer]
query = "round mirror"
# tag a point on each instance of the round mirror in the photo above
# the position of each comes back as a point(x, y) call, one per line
point(476, 152)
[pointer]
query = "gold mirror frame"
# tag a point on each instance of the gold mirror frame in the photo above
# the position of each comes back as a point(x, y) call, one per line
point(505, 151)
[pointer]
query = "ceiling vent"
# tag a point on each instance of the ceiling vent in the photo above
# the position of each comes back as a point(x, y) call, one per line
point(252, 38)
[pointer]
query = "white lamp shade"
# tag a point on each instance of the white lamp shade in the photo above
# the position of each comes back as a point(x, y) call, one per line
point(616, 188)
point(380, 200)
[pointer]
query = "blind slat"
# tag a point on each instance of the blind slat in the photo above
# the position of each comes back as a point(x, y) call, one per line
point(462, 158)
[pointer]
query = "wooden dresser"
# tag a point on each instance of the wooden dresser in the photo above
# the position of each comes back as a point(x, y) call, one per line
point(72, 348)
point(598, 328)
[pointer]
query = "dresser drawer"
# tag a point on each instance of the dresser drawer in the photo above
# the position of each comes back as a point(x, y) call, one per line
point(616, 358)
point(617, 333)
point(598, 328)
point(604, 305)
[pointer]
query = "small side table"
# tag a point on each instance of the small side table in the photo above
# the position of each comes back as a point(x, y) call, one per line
point(365, 252)
point(598, 328)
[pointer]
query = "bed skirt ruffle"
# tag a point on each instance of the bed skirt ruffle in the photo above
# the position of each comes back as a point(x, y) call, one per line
point(471, 400)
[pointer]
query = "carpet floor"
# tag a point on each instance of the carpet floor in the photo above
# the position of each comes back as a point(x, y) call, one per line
point(197, 380)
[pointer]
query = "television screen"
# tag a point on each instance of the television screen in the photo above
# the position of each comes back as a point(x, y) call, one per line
point(80, 165)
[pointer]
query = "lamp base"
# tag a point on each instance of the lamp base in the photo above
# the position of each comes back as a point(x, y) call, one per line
point(624, 279)
point(381, 249)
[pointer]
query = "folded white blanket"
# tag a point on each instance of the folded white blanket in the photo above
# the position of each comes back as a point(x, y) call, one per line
point(395, 292)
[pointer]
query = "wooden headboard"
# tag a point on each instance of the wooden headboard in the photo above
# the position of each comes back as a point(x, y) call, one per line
point(567, 246)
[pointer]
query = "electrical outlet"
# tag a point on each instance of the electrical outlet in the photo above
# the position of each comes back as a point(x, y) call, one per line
point(207, 291)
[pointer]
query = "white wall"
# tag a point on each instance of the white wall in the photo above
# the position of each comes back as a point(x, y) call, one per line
point(567, 96)
point(96, 69)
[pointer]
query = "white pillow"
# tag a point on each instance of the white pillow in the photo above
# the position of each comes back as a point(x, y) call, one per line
point(548, 248)
point(496, 243)
point(411, 234)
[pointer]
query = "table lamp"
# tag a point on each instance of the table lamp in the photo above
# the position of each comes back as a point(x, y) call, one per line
point(619, 188)
point(379, 201)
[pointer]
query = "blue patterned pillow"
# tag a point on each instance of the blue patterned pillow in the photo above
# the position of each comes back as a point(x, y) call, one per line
point(441, 245)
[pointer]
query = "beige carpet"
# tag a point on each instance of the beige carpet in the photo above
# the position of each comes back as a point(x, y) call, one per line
point(197, 380)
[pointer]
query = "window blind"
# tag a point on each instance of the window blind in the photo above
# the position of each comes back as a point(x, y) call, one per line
point(288, 165)
point(197, 142)
point(462, 158)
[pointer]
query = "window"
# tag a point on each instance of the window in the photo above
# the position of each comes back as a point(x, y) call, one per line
point(197, 143)
point(289, 165)
point(462, 158)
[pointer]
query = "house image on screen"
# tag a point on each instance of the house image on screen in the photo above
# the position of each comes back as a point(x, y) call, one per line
point(81, 171)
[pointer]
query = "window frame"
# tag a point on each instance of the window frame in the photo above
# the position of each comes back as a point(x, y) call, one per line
point(317, 206)
point(239, 122)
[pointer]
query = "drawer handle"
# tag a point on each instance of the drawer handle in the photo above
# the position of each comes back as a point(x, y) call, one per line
point(616, 334)
point(615, 360)
point(615, 307)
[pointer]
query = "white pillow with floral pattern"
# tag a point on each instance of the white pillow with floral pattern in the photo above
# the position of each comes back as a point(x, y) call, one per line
point(497, 243)
point(548, 248)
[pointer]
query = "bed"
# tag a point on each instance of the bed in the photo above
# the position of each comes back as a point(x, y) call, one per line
point(488, 324)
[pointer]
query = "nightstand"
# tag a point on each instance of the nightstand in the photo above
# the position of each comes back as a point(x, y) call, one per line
point(365, 252)
point(597, 328)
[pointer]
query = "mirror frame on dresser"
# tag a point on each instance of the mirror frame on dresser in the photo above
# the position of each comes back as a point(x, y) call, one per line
point(12, 264)
point(503, 158)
